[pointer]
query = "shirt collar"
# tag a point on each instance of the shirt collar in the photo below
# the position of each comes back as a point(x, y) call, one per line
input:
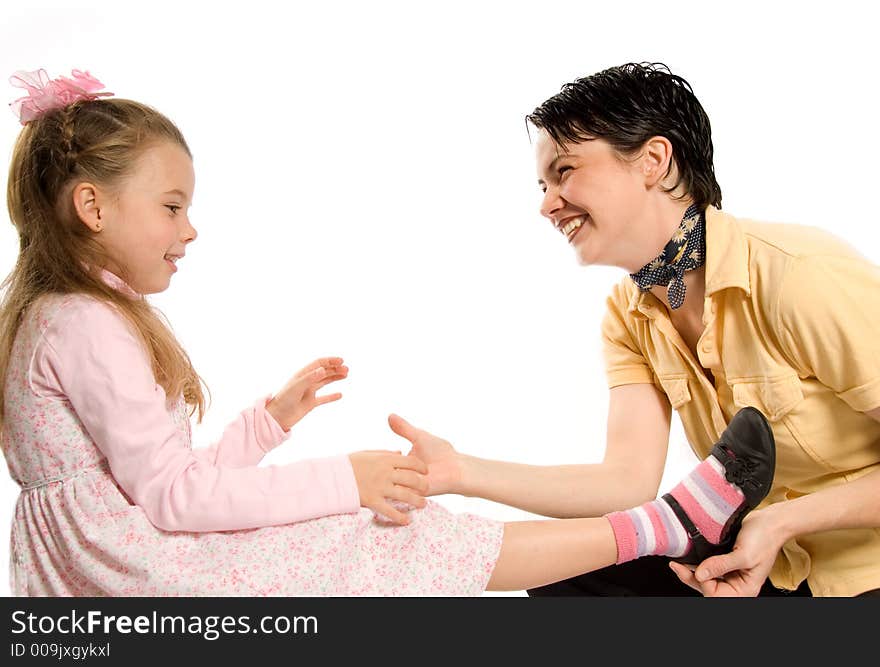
point(727, 253)
point(727, 261)
point(118, 283)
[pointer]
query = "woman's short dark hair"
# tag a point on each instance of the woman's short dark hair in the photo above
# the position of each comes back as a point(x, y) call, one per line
point(626, 106)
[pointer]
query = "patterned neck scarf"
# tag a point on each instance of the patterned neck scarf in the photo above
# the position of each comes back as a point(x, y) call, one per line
point(685, 252)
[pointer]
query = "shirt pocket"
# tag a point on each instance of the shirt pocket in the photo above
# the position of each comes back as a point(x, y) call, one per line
point(782, 401)
point(676, 389)
point(774, 398)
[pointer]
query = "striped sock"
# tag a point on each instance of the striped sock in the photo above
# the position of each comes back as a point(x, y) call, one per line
point(653, 529)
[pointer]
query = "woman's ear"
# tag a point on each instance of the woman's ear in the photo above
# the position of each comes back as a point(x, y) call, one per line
point(86, 201)
point(656, 158)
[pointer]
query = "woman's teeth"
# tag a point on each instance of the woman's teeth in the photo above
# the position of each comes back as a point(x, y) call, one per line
point(570, 227)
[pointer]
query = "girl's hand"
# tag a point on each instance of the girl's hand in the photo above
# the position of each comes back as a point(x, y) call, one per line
point(383, 476)
point(742, 572)
point(444, 467)
point(298, 397)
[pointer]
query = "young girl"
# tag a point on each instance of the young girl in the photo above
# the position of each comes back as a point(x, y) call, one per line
point(95, 423)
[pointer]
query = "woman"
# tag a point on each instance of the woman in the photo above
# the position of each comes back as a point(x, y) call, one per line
point(717, 313)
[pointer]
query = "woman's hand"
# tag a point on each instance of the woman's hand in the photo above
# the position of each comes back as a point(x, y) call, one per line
point(383, 476)
point(444, 466)
point(298, 397)
point(742, 572)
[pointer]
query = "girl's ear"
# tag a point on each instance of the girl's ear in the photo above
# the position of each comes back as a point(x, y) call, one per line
point(86, 202)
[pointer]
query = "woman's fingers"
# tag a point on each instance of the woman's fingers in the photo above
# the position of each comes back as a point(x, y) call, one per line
point(686, 575)
point(402, 427)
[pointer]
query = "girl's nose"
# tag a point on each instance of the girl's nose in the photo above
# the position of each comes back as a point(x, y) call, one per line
point(189, 233)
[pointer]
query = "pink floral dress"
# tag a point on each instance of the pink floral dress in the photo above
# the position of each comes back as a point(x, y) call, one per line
point(115, 501)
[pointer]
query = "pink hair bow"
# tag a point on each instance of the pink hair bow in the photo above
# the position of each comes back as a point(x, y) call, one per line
point(45, 94)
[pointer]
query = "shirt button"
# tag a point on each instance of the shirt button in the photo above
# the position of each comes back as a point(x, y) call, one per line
point(707, 346)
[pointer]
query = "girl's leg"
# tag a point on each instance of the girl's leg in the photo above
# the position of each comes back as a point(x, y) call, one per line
point(699, 517)
point(534, 553)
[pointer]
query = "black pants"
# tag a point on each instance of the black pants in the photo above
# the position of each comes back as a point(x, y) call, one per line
point(647, 577)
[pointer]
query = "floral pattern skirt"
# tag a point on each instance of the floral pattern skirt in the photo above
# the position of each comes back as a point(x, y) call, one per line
point(83, 537)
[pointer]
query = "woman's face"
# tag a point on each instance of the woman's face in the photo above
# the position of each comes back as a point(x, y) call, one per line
point(597, 199)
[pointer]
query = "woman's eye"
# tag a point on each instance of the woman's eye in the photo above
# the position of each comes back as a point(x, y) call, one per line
point(562, 170)
point(173, 208)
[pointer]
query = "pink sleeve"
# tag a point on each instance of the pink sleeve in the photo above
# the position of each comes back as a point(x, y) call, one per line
point(91, 357)
point(246, 440)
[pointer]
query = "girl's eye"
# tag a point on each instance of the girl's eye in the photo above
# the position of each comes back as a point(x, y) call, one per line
point(562, 170)
point(173, 208)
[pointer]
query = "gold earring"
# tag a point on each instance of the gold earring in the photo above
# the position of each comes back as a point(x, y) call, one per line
point(98, 227)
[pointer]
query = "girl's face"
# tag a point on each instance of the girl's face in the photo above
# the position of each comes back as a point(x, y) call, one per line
point(597, 200)
point(145, 226)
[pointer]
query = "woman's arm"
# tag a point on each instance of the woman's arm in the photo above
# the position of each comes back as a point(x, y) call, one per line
point(743, 571)
point(828, 316)
point(851, 505)
point(635, 455)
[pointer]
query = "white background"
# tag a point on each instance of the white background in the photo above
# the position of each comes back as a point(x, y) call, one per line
point(366, 188)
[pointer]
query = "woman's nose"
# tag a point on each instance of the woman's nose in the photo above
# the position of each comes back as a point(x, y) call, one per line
point(551, 202)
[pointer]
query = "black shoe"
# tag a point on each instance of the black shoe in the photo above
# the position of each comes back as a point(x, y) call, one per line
point(747, 451)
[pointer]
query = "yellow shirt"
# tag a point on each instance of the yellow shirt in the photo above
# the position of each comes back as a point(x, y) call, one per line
point(792, 327)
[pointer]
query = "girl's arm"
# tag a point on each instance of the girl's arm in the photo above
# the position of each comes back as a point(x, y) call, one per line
point(629, 475)
point(94, 361)
point(266, 424)
point(246, 440)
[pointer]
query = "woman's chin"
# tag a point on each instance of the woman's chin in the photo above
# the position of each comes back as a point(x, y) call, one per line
point(583, 256)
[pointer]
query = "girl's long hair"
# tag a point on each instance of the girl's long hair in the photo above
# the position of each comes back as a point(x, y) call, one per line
point(97, 141)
